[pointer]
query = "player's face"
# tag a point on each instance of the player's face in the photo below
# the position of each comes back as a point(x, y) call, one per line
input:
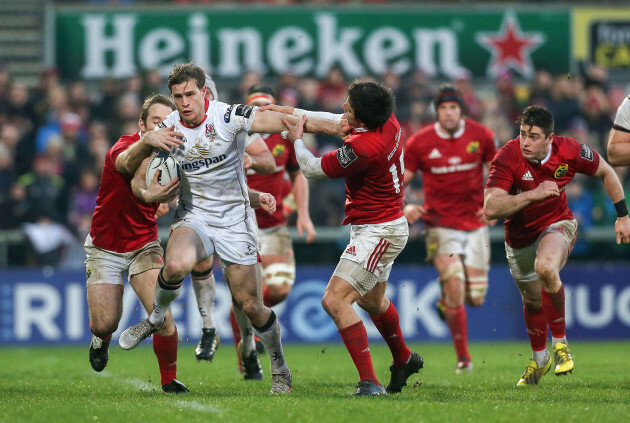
point(157, 114)
point(349, 112)
point(534, 143)
point(190, 102)
point(449, 115)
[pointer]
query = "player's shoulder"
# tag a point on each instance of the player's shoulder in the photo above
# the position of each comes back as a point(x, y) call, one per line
point(510, 151)
point(231, 112)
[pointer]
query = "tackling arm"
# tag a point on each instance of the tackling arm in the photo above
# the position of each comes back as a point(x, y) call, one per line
point(498, 203)
point(155, 193)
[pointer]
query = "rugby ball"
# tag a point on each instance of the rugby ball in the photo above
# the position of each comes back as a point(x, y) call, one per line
point(168, 166)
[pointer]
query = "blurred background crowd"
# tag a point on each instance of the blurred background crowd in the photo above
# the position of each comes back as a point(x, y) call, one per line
point(54, 135)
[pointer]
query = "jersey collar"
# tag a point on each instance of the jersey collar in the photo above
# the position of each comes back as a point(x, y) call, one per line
point(445, 135)
point(207, 103)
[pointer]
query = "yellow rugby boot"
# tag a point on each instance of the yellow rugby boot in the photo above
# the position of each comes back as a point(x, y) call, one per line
point(533, 373)
point(563, 359)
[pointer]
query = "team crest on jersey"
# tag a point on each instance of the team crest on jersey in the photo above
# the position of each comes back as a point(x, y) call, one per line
point(561, 171)
point(346, 156)
point(472, 147)
point(211, 134)
point(586, 153)
point(278, 150)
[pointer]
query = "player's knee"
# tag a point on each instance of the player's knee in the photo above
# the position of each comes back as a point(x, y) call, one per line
point(103, 327)
point(330, 304)
point(174, 271)
point(546, 271)
point(252, 307)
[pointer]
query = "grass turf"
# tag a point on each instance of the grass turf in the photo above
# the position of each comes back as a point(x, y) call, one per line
point(55, 384)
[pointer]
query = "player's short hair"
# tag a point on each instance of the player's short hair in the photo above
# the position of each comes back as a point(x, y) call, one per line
point(372, 102)
point(537, 116)
point(185, 72)
point(154, 99)
point(259, 90)
point(448, 92)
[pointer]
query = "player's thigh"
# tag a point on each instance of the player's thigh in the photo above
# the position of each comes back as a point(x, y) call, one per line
point(555, 245)
point(105, 278)
point(184, 250)
point(477, 249)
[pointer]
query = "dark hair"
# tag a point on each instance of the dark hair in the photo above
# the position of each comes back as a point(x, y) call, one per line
point(184, 72)
point(448, 92)
point(262, 88)
point(372, 102)
point(537, 116)
point(155, 99)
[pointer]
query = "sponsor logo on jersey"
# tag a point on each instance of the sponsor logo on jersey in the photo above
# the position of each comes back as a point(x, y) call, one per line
point(562, 170)
point(244, 111)
point(527, 176)
point(586, 153)
point(203, 162)
point(278, 150)
point(351, 250)
point(211, 134)
point(346, 156)
point(439, 170)
point(398, 136)
point(472, 147)
point(454, 160)
point(435, 154)
point(228, 114)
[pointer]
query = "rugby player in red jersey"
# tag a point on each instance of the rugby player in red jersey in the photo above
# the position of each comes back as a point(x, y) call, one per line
point(526, 186)
point(452, 155)
point(371, 161)
point(123, 238)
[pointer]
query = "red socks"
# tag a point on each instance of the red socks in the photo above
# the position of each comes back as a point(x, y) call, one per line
point(536, 324)
point(456, 321)
point(165, 349)
point(388, 325)
point(356, 341)
point(553, 306)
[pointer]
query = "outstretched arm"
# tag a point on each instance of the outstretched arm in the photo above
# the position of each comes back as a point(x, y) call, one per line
point(269, 121)
point(310, 165)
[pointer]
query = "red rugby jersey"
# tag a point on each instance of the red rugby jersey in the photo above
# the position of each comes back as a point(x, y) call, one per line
point(284, 155)
point(452, 173)
point(121, 222)
point(372, 164)
point(513, 173)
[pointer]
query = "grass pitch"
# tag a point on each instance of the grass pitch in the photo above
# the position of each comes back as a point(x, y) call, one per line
point(57, 384)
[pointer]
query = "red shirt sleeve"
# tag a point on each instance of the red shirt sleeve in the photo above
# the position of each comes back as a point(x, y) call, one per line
point(350, 159)
point(500, 174)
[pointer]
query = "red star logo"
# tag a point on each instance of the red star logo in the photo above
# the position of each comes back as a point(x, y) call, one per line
point(510, 47)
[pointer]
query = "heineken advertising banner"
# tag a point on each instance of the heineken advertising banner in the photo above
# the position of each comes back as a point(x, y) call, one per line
point(308, 42)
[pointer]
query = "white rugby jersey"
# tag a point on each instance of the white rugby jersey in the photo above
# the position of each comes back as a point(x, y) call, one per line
point(213, 185)
point(622, 120)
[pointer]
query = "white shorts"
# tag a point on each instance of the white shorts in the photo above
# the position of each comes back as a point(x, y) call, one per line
point(103, 266)
point(522, 260)
point(276, 241)
point(232, 244)
point(373, 248)
point(474, 245)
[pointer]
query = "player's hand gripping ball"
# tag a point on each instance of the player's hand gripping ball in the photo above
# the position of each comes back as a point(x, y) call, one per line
point(168, 166)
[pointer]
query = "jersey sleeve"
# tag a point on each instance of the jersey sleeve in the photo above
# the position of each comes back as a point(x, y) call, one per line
point(238, 117)
point(622, 119)
point(346, 160)
point(121, 145)
point(500, 174)
point(412, 154)
point(587, 160)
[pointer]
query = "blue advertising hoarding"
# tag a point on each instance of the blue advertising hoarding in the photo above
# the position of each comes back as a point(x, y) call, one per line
point(51, 308)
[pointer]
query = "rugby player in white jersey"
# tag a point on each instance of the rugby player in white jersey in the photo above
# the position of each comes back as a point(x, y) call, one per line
point(214, 214)
point(258, 158)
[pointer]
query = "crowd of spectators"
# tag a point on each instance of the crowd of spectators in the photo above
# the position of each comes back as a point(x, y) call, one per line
point(54, 137)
